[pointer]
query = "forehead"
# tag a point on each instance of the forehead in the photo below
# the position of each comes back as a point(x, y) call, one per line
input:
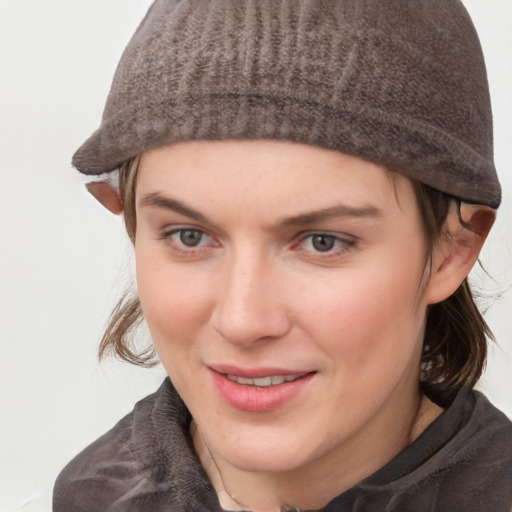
point(262, 174)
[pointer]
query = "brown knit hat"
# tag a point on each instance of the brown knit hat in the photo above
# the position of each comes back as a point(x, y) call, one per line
point(398, 82)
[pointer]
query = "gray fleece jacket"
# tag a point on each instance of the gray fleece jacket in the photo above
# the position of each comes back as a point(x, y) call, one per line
point(146, 463)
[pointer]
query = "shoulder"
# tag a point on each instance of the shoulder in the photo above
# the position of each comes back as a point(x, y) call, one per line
point(489, 419)
point(101, 473)
point(479, 458)
point(462, 461)
point(484, 443)
point(117, 468)
point(472, 469)
point(145, 463)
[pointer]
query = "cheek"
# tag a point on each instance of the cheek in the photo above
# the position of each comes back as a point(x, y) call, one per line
point(368, 321)
point(175, 303)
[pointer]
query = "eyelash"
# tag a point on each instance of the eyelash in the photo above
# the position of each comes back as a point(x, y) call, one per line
point(341, 244)
point(168, 237)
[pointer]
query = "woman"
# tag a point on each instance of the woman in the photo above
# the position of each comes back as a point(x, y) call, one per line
point(307, 186)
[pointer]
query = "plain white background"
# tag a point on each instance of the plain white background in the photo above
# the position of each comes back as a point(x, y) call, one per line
point(64, 260)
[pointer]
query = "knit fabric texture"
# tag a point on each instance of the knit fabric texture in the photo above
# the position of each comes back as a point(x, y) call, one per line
point(401, 83)
point(146, 463)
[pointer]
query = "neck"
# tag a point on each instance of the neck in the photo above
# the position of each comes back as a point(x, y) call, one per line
point(313, 485)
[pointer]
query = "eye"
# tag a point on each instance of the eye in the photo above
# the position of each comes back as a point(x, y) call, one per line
point(190, 237)
point(187, 238)
point(324, 243)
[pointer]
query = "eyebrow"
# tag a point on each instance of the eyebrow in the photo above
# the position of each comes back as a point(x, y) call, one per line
point(156, 200)
point(338, 211)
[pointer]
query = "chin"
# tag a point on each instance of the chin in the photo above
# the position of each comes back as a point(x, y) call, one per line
point(274, 456)
point(266, 462)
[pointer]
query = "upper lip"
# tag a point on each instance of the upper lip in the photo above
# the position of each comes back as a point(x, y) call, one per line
point(255, 373)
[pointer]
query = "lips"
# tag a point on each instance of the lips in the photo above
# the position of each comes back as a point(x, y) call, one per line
point(259, 390)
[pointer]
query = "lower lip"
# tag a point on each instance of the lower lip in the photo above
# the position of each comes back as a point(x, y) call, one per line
point(258, 399)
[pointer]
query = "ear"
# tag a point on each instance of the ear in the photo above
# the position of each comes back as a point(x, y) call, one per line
point(106, 194)
point(458, 249)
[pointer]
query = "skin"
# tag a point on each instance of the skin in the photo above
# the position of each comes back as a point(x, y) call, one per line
point(256, 292)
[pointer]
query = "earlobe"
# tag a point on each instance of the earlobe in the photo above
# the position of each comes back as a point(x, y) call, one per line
point(106, 194)
point(458, 249)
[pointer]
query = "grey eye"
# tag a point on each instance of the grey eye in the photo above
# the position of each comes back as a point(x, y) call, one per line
point(323, 243)
point(191, 237)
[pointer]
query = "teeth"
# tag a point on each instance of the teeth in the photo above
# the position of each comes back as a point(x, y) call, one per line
point(264, 382)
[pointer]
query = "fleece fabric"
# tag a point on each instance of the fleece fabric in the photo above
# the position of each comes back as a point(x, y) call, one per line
point(401, 83)
point(462, 461)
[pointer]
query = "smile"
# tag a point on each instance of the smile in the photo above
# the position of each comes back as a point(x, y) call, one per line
point(259, 390)
point(264, 382)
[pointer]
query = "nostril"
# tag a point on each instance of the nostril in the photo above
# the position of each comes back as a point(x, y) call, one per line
point(250, 326)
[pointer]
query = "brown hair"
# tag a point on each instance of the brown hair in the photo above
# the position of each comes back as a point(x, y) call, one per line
point(455, 341)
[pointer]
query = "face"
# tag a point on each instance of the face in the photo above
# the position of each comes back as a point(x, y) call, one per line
point(282, 285)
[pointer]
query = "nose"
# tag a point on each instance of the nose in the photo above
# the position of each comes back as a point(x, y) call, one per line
point(250, 305)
